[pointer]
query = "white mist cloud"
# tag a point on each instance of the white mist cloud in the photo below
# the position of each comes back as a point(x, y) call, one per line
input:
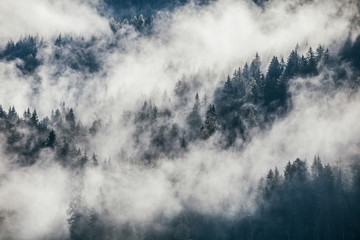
point(190, 41)
point(193, 41)
point(33, 202)
point(214, 181)
point(320, 124)
point(14, 90)
point(222, 37)
point(47, 18)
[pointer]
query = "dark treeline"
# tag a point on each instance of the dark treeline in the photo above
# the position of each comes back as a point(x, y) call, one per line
point(248, 99)
point(141, 13)
point(140, 23)
point(304, 202)
point(73, 52)
point(126, 7)
point(76, 53)
point(60, 134)
point(25, 49)
point(351, 52)
point(129, 8)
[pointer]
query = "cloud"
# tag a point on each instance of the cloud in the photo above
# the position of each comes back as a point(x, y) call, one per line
point(34, 202)
point(47, 18)
point(205, 43)
point(190, 41)
point(193, 41)
point(214, 181)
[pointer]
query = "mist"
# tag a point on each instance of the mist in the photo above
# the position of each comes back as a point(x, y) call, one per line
point(194, 43)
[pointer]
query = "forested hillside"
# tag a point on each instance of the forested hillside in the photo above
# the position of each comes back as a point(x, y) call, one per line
point(180, 120)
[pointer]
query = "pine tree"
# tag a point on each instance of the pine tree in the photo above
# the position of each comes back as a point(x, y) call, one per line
point(70, 118)
point(76, 220)
point(34, 119)
point(303, 65)
point(293, 65)
point(319, 53)
point(273, 74)
point(277, 177)
point(252, 119)
point(289, 172)
point(326, 57)
point(153, 113)
point(27, 114)
point(210, 125)
point(204, 101)
point(246, 72)
point(51, 139)
point(12, 114)
point(239, 85)
point(194, 118)
point(2, 112)
point(56, 116)
point(255, 65)
point(311, 66)
point(316, 168)
point(300, 170)
point(253, 93)
point(281, 90)
point(228, 88)
point(269, 187)
point(64, 151)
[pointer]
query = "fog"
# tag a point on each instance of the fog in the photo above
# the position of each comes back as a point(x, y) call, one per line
point(48, 18)
point(191, 42)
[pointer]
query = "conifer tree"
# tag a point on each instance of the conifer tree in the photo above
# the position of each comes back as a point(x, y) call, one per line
point(70, 118)
point(273, 74)
point(51, 139)
point(2, 112)
point(311, 60)
point(34, 119)
point(194, 118)
point(210, 124)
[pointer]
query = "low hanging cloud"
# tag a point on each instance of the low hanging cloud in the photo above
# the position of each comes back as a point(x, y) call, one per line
point(205, 43)
point(220, 38)
point(189, 41)
point(214, 181)
point(47, 18)
point(206, 179)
